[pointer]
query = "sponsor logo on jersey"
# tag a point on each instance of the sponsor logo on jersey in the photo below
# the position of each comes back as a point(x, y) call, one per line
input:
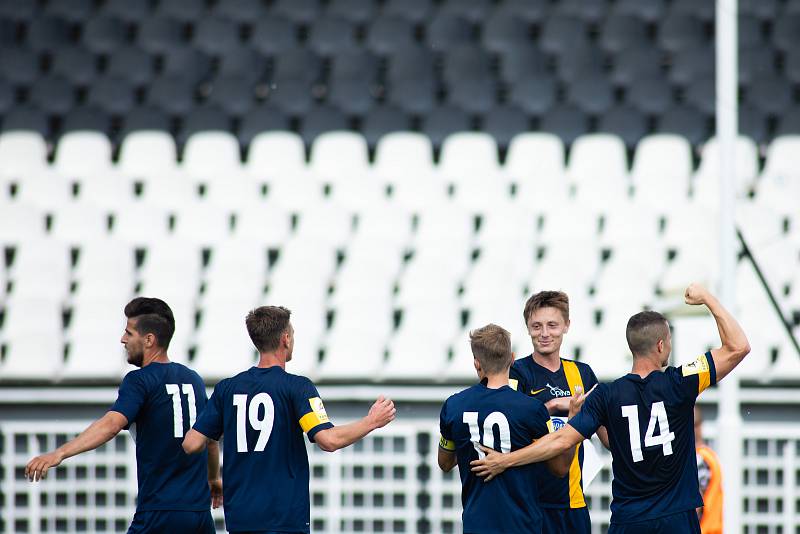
point(700, 365)
point(556, 391)
point(558, 423)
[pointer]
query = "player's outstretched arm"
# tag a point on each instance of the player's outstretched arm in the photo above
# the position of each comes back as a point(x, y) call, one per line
point(95, 435)
point(734, 341)
point(380, 414)
point(550, 446)
point(195, 442)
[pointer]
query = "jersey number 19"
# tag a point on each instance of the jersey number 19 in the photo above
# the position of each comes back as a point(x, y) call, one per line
point(263, 425)
point(658, 413)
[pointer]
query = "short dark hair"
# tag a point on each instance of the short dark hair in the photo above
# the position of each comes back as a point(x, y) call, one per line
point(153, 316)
point(266, 325)
point(644, 330)
point(547, 299)
point(491, 346)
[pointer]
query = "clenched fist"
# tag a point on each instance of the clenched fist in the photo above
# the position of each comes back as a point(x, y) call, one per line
point(696, 294)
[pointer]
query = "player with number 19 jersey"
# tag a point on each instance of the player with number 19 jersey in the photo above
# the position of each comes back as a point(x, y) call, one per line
point(650, 424)
point(161, 402)
point(504, 420)
point(263, 413)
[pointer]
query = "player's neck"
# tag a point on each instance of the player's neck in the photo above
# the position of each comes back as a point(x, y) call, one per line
point(551, 362)
point(496, 381)
point(271, 359)
point(644, 365)
point(157, 355)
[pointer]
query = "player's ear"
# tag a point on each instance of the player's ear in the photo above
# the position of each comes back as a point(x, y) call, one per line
point(566, 327)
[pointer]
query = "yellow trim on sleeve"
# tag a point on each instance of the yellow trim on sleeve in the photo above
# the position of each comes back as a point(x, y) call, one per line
point(446, 444)
point(700, 368)
point(309, 421)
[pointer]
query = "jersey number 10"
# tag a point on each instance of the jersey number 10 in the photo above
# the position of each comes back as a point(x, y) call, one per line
point(263, 425)
point(494, 418)
point(177, 408)
point(664, 438)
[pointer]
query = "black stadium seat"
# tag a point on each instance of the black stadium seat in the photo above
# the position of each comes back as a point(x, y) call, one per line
point(680, 31)
point(6, 96)
point(770, 95)
point(533, 11)
point(447, 30)
point(17, 11)
point(705, 11)
point(648, 10)
point(504, 122)
point(356, 11)
point(293, 97)
point(561, 33)
point(389, 33)
point(786, 32)
point(789, 123)
point(567, 122)
point(701, 94)
point(474, 95)
point(52, 94)
point(160, 35)
point(131, 63)
point(592, 94)
point(104, 34)
point(475, 11)
point(690, 64)
point(232, 94)
point(535, 94)
point(382, 120)
point(298, 64)
point(187, 63)
point(354, 97)
point(112, 95)
point(354, 64)
point(75, 64)
point(260, 119)
point(686, 121)
point(273, 35)
point(522, 62)
point(8, 32)
point(652, 96)
point(216, 36)
point(86, 118)
point(181, 10)
point(416, 11)
point(791, 66)
point(444, 121)
point(329, 35)
point(204, 118)
point(589, 10)
point(172, 94)
point(243, 62)
point(240, 11)
point(626, 122)
point(580, 62)
point(46, 34)
point(466, 62)
point(759, 62)
point(765, 10)
point(414, 62)
point(72, 11)
point(131, 11)
point(504, 32)
point(753, 123)
point(633, 64)
point(146, 118)
point(26, 118)
point(320, 120)
point(623, 32)
point(298, 11)
point(413, 96)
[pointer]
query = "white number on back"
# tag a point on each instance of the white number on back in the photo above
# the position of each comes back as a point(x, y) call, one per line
point(492, 420)
point(658, 415)
point(264, 425)
point(177, 408)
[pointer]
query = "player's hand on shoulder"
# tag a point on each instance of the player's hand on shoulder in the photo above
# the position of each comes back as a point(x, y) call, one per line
point(382, 412)
point(576, 401)
point(695, 294)
point(490, 465)
point(37, 467)
point(215, 485)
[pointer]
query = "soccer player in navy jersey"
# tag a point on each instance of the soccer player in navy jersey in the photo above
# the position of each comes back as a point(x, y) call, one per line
point(546, 376)
point(158, 403)
point(493, 414)
point(649, 415)
point(263, 412)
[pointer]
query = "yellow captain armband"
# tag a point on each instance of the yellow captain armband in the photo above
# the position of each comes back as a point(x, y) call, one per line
point(700, 368)
point(316, 416)
point(446, 444)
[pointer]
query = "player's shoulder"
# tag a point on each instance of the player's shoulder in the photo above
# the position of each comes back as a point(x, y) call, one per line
point(583, 368)
point(462, 396)
point(296, 379)
point(187, 371)
point(523, 365)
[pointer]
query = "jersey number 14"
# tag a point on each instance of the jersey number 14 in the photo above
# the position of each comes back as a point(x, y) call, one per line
point(658, 414)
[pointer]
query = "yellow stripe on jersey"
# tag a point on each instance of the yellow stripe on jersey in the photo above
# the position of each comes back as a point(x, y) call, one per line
point(513, 383)
point(576, 499)
point(316, 416)
point(550, 428)
point(700, 368)
point(446, 444)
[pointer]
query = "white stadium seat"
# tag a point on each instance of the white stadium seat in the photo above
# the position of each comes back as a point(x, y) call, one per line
point(94, 336)
point(401, 154)
point(339, 156)
point(469, 156)
point(22, 152)
point(32, 334)
point(82, 153)
point(147, 153)
point(276, 153)
point(705, 185)
point(212, 156)
point(662, 169)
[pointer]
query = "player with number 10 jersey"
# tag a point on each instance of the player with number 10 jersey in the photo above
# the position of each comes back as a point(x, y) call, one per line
point(263, 413)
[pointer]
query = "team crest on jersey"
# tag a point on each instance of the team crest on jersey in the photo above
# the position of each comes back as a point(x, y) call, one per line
point(700, 365)
point(558, 423)
point(319, 409)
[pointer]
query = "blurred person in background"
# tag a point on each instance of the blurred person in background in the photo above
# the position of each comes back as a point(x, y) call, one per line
point(709, 474)
point(158, 403)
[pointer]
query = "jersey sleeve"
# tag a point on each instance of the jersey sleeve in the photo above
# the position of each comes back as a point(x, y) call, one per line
point(592, 414)
point(516, 381)
point(130, 397)
point(697, 375)
point(309, 409)
point(210, 422)
point(540, 421)
point(589, 378)
point(446, 442)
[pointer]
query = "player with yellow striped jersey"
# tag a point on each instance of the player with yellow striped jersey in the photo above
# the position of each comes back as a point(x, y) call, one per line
point(263, 413)
point(553, 380)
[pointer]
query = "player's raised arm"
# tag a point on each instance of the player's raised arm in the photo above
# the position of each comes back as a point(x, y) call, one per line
point(380, 414)
point(734, 341)
point(95, 435)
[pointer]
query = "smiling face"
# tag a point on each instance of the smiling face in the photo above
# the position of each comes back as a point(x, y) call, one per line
point(547, 327)
point(134, 343)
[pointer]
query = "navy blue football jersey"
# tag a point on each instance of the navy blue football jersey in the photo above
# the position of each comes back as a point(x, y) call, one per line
point(161, 402)
point(263, 413)
point(539, 382)
point(505, 421)
point(650, 423)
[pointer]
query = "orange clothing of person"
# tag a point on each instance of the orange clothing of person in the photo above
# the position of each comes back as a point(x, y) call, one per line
point(711, 520)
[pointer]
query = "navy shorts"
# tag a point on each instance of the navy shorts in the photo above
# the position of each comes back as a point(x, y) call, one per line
point(172, 522)
point(684, 522)
point(566, 521)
